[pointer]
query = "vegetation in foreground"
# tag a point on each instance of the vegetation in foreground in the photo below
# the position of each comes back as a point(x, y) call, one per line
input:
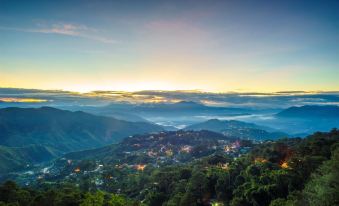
point(284, 172)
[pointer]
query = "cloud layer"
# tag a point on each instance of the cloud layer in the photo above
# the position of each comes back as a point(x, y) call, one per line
point(239, 100)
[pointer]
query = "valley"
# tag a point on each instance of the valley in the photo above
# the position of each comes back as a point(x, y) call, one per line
point(143, 163)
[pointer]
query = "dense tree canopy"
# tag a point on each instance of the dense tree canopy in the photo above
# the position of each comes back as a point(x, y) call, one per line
point(284, 172)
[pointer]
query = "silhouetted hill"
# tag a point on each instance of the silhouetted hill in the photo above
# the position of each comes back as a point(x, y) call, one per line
point(220, 125)
point(238, 129)
point(310, 111)
point(116, 111)
point(64, 130)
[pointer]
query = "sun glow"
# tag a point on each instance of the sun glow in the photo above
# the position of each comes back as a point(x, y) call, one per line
point(21, 100)
point(126, 86)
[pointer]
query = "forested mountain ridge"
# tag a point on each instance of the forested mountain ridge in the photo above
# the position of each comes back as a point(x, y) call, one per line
point(16, 158)
point(64, 130)
point(311, 111)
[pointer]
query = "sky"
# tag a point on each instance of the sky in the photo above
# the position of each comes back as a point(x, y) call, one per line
point(214, 46)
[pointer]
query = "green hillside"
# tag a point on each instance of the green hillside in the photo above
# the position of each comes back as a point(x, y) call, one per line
point(16, 158)
point(63, 130)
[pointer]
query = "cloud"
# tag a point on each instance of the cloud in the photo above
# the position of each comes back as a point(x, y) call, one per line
point(239, 100)
point(65, 29)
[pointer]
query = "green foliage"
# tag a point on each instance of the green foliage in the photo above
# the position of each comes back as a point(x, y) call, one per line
point(289, 172)
point(16, 158)
point(11, 194)
point(323, 187)
point(93, 199)
point(63, 130)
point(117, 200)
point(277, 180)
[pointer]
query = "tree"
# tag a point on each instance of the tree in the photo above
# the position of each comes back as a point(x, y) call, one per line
point(95, 199)
point(198, 187)
point(188, 199)
point(117, 200)
point(323, 188)
point(223, 187)
point(175, 200)
point(155, 198)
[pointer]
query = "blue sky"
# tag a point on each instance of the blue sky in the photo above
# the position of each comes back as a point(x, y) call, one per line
point(213, 46)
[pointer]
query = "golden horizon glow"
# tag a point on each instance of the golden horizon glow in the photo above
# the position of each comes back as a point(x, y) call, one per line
point(21, 100)
point(91, 91)
point(171, 46)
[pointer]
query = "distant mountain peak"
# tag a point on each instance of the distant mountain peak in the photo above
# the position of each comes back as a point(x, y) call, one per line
point(214, 120)
point(188, 103)
point(311, 111)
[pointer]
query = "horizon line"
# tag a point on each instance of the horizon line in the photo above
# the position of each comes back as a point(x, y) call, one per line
point(281, 92)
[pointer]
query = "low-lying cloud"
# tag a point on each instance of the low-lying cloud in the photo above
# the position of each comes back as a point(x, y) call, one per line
point(240, 100)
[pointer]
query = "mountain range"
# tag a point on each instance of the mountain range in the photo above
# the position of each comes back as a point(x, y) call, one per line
point(64, 130)
point(170, 109)
point(34, 135)
point(238, 129)
point(51, 132)
point(310, 111)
